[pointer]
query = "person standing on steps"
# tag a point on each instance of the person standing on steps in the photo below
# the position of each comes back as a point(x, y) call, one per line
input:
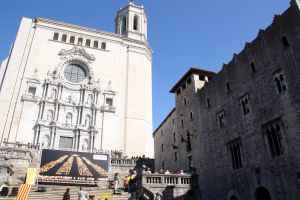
point(81, 194)
point(116, 182)
point(67, 194)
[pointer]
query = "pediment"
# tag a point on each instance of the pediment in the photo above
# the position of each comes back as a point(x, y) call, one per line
point(76, 51)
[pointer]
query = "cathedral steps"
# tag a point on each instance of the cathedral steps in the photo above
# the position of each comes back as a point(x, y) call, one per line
point(56, 193)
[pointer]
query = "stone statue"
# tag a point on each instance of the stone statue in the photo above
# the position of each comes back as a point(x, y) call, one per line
point(69, 118)
point(53, 93)
point(87, 120)
point(89, 99)
point(49, 115)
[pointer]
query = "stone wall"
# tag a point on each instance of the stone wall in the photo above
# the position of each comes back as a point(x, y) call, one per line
point(269, 54)
point(232, 146)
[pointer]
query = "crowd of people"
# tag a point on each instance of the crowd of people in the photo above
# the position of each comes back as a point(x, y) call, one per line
point(82, 195)
point(181, 172)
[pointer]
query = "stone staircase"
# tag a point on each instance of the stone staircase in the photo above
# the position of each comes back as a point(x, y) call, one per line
point(55, 192)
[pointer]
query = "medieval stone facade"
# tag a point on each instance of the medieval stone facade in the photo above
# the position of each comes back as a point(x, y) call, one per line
point(240, 129)
point(72, 87)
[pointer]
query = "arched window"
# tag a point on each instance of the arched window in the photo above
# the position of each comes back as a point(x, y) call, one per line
point(135, 22)
point(88, 42)
point(49, 115)
point(95, 44)
point(103, 45)
point(124, 25)
point(64, 38)
point(72, 39)
point(69, 118)
point(87, 120)
point(75, 73)
point(79, 41)
point(55, 36)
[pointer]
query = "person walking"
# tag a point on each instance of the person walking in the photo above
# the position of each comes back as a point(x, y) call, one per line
point(67, 194)
point(158, 196)
point(81, 194)
point(116, 182)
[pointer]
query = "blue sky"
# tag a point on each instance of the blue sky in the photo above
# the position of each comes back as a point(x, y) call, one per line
point(183, 34)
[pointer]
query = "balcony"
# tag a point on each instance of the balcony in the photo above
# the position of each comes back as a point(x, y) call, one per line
point(108, 109)
point(29, 97)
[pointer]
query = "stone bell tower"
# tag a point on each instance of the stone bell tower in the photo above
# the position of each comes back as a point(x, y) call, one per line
point(131, 21)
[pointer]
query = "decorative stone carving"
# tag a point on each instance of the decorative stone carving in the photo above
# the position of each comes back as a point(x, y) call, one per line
point(75, 51)
point(34, 77)
point(89, 99)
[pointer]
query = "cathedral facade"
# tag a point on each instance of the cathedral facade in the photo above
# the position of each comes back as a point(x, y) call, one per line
point(71, 87)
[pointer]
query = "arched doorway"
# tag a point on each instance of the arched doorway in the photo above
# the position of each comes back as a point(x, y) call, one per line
point(233, 197)
point(262, 193)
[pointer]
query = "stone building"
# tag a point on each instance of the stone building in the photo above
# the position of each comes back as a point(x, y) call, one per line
point(239, 128)
point(68, 86)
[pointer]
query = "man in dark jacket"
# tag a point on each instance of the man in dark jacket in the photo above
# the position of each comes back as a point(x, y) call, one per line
point(67, 194)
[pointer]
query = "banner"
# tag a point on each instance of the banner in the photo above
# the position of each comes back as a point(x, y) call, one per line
point(72, 166)
point(23, 192)
point(30, 176)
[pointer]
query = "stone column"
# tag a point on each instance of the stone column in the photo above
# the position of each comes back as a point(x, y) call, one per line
point(54, 136)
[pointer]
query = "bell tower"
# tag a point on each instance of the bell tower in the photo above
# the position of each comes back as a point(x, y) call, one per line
point(131, 21)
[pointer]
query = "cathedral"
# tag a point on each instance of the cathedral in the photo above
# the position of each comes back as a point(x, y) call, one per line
point(65, 86)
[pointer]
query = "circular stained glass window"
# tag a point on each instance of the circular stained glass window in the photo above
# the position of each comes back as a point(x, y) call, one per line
point(75, 73)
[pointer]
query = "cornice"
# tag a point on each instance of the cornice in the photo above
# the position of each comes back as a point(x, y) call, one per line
point(117, 38)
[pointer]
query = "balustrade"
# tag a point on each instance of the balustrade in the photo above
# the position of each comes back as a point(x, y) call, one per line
point(166, 179)
point(123, 161)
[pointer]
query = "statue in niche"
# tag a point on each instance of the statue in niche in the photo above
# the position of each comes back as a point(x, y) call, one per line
point(69, 119)
point(89, 99)
point(70, 98)
point(49, 115)
point(85, 144)
point(45, 141)
point(53, 93)
point(87, 121)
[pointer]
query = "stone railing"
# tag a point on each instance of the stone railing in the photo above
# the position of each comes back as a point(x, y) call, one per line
point(166, 179)
point(29, 97)
point(123, 161)
point(172, 186)
point(108, 109)
point(19, 145)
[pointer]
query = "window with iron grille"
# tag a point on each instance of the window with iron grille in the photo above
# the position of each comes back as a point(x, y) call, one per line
point(245, 104)
point(274, 135)
point(235, 148)
point(280, 82)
